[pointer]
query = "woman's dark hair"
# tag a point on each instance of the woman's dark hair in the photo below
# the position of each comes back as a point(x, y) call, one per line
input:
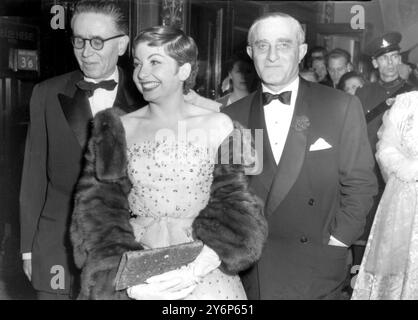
point(349, 75)
point(365, 67)
point(177, 45)
point(237, 57)
point(107, 7)
point(245, 65)
point(309, 59)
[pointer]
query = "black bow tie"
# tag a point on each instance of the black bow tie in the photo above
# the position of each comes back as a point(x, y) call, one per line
point(283, 97)
point(89, 87)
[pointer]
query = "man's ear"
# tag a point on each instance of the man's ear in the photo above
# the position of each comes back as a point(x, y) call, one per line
point(184, 71)
point(250, 51)
point(350, 67)
point(374, 62)
point(303, 48)
point(123, 45)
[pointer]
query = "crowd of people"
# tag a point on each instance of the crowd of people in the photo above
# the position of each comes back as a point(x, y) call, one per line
point(116, 162)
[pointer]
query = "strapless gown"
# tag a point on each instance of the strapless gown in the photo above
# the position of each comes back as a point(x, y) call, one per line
point(171, 184)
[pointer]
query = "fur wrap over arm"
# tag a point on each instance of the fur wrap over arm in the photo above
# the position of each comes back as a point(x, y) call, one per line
point(100, 229)
point(233, 222)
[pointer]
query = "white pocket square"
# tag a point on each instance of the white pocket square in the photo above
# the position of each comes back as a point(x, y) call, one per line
point(320, 144)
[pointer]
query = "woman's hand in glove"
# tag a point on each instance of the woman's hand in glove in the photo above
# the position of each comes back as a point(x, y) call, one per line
point(163, 290)
point(189, 275)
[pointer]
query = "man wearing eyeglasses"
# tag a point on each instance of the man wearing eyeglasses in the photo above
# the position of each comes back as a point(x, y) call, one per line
point(61, 109)
point(317, 181)
point(376, 98)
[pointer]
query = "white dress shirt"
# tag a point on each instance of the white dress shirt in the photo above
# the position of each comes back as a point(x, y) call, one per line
point(103, 99)
point(100, 100)
point(278, 118)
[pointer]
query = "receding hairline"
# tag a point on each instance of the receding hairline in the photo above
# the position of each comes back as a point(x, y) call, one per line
point(300, 33)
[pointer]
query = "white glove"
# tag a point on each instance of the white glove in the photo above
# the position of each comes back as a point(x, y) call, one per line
point(189, 275)
point(165, 290)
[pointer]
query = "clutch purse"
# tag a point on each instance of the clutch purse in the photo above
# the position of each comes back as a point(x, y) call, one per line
point(137, 266)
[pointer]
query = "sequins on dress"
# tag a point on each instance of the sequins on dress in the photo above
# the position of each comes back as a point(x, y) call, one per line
point(389, 269)
point(171, 184)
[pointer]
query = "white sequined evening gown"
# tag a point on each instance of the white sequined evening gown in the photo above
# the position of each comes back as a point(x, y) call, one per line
point(171, 184)
point(389, 269)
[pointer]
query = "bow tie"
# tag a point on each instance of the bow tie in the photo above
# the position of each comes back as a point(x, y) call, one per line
point(283, 97)
point(89, 87)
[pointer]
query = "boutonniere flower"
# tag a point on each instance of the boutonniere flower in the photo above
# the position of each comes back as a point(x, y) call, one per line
point(390, 101)
point(301, 123)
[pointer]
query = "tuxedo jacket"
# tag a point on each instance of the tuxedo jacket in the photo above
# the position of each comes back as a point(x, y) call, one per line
point(60, 118)
point(310, 195)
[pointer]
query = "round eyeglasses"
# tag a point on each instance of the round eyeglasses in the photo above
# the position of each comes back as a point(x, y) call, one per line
point(96, 43)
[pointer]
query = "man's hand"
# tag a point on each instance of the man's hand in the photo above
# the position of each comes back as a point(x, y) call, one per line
point(27, 268)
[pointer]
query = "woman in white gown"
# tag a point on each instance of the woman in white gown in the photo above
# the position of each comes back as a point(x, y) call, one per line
point(179, 193)
point(389, 269)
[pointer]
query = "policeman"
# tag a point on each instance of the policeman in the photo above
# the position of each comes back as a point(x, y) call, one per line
point(377, 97)
point(387, 59)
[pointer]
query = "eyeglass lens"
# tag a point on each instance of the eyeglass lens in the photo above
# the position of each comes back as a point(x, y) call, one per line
point(95, 43)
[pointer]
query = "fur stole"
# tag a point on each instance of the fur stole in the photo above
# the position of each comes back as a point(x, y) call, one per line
point(232, 223)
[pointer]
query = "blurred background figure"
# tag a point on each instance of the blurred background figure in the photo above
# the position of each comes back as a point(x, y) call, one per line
point(350, 81)
point(405, 70)
point(315, 61)
point(414, 75)
point(320, 68)
point(316, 52)
point(338, 63)
point(366, 69)
point(408, 72)
point(241, 79)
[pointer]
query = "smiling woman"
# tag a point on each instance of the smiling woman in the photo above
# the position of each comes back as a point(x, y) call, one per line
point(178, 46)
point(179, 194)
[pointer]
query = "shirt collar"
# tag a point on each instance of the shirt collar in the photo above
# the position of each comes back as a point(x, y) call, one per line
point(293, 86)
point(113, 76)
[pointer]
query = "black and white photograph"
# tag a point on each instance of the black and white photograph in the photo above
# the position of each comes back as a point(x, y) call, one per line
point(230, 150)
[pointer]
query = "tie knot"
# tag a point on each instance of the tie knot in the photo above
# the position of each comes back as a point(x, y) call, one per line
point(283, 97)
point(89, 87)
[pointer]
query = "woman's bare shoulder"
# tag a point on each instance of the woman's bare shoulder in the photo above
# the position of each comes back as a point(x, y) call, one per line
point(132, 120)
point(134, 116)
point(219, 124)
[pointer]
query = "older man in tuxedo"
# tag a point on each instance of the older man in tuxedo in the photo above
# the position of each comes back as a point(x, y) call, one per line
point(317, 180)
point(61, 109)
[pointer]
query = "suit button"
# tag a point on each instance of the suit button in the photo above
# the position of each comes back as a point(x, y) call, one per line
point(311, 202)
point(303, 239)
